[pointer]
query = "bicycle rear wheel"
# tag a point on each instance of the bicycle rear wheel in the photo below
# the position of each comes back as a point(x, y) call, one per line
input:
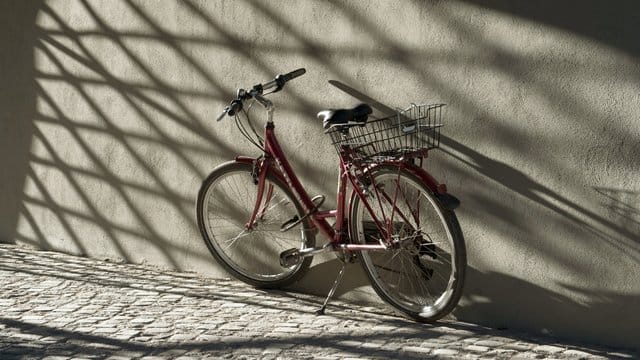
point(422, 274)
point(225, 203)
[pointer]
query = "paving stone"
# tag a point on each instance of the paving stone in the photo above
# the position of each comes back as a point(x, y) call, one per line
point(489, 343)
point(528, 355)
point(286, 330)
point(477, 348)
point(519, 346)
point(549, 349)
point(445, 352)
point(370, 345)
point(105, 330)
point(417, 349)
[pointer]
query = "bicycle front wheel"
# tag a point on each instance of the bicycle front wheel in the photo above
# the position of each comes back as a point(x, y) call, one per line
point(422, 273)
point(251, 253)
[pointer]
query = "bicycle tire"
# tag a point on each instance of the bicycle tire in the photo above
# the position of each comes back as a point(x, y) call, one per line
point(404, 274)
point(225, 203)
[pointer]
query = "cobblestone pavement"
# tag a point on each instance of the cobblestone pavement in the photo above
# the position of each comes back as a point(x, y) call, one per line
point(59, 307)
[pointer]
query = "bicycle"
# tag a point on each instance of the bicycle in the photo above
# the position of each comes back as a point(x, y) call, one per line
point(260, 224)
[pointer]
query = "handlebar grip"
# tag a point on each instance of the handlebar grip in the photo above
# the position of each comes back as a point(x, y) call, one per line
point(280, 80)
point(294, 74)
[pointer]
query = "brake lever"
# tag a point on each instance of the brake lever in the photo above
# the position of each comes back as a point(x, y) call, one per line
point(224, 112)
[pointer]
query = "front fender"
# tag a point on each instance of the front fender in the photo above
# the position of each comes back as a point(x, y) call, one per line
point(245, 159)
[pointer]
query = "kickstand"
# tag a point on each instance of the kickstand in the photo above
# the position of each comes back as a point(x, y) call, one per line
point(333, 289)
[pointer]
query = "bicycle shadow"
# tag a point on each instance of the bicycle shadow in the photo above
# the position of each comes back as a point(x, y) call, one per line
point(513, 179)
point(497, 300)
point(488, 298)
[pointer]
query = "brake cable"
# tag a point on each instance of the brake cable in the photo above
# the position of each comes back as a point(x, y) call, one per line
point(243, 130)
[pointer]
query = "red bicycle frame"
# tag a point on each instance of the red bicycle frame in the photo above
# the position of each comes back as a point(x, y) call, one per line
point(275, 163)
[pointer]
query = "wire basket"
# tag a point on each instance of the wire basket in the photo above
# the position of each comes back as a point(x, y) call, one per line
point(409, 133)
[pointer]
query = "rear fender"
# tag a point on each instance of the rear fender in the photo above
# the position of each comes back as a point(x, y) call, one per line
point(447, 200)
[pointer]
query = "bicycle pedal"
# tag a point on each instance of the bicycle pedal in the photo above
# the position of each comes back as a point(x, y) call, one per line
point(291, 257)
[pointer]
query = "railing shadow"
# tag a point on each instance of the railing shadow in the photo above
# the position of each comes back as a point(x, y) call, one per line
point(68, 62)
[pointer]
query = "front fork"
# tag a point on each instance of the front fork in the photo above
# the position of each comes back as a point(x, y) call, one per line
point(259, 175)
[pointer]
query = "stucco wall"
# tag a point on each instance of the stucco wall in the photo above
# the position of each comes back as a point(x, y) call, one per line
point(107, 132)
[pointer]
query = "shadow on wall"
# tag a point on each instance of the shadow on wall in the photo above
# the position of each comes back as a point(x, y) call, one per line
point(18, 36)
point(105, 127)
point(612, 24)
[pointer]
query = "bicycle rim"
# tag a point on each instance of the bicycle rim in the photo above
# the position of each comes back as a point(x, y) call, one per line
point(422, 274)
point(225, 205)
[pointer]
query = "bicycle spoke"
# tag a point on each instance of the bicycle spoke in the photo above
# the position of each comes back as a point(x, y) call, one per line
point(411, 210)
point(233, 240)
point(283, 201)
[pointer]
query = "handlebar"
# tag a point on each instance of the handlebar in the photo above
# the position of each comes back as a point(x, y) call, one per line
point(257, 90)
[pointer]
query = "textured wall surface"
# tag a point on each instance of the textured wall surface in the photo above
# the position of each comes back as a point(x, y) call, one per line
point(106, 133)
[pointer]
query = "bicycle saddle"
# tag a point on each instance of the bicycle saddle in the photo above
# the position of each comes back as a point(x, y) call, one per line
point(345, 117)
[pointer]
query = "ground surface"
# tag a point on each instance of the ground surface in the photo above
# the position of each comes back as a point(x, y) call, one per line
point(59, 306)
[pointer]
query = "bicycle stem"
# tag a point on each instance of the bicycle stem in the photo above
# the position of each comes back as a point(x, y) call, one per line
point(268, 105)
